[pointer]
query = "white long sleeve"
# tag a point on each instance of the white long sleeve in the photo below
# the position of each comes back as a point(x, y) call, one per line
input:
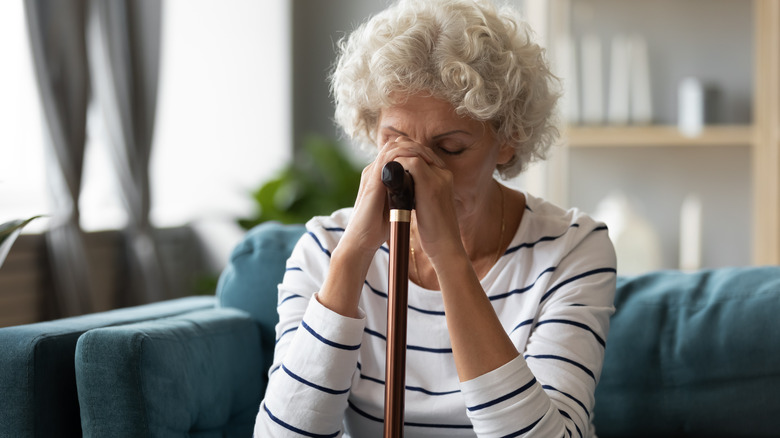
point(552, 291)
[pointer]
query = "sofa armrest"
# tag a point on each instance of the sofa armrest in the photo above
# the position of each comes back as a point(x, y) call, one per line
point(37, 379)
point(194, 374)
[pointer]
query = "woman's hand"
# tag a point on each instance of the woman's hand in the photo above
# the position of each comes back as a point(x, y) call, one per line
point(369, 227)
point(436, 214)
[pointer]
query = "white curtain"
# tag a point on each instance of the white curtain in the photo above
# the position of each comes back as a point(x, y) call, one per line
point(124, 48)
point(112, 48)
point(58, 47)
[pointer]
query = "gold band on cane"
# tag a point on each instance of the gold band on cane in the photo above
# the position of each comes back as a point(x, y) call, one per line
point(400, 215)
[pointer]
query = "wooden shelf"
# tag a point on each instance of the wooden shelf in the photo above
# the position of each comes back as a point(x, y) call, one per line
point(656, 136)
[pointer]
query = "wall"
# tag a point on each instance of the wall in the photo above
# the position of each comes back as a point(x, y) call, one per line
point(317, 27)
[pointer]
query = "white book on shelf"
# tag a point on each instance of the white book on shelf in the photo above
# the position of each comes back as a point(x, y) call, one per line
point(619, 87)
point(592, 81)
point(566, 63)
point(641, 94)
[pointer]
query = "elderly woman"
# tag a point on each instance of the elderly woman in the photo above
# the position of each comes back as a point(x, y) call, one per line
point(509, 296)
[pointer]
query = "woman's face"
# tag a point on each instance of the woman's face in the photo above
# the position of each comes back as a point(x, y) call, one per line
point(468, 147)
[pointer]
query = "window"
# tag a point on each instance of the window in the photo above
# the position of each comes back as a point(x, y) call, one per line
point(222, 127)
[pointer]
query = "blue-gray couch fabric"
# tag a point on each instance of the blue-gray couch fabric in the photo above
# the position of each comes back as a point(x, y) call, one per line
point(37, 380)
point(688, 354)
point(197, 374)
point(693, 354)
point(200, 374)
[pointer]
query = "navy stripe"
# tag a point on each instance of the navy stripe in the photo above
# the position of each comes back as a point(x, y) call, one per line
point(428, 392)
point(409, 347)
point(408, 388)
point(575, 324)
point(430, 350)
point(286, 332)
point(524, 323)
point(503, 397)
point(313, 385)
point(325, 250)
point(363, 413)
point(566, 414)
point(427, 312)
point(524, 430)
point(295, 429)
point(377, 334)
point(375, 290)
point(372, 379)
point(407, 423)
point(574, 399)
point(542, 239)
point(416, 309)
point(337, 229)
point(575, 278)
point(439, 426)
point(385, 249)
point(326, 341)
point(563, 359)
point(524, 289)
point(601, 228)
point(294, 268)
point(289, 298)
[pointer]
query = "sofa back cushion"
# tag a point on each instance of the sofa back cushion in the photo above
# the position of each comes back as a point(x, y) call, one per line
point(256, 267)
point(693, 354)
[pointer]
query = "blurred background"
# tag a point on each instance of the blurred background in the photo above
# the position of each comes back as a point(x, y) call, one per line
point(191, 109)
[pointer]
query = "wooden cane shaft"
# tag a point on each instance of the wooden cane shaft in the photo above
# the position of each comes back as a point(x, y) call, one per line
point(395, 361)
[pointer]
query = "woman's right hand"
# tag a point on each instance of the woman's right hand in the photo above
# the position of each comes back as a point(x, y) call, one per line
point(369, 226)
point(368, 229)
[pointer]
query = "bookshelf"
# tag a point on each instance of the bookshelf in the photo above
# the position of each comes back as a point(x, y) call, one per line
point(758, 138)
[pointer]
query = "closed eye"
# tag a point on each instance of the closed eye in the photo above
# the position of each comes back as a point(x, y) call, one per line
point(451, 152)
point(454, 145)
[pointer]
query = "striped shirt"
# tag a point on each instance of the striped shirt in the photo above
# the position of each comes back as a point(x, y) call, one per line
point(552, 291)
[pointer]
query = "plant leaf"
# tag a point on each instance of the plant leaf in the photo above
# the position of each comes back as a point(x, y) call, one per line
point(319, 181)
point(9, 231)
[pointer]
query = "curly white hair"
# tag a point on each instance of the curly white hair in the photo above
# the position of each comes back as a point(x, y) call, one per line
point(480, 59)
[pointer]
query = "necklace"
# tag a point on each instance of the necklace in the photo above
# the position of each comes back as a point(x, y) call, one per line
point(500, 240)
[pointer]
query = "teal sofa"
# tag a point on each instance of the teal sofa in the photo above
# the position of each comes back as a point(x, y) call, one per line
point(689, 354)
point(38, 396)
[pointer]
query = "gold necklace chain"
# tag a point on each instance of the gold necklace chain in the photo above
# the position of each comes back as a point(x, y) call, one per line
point(500, 240)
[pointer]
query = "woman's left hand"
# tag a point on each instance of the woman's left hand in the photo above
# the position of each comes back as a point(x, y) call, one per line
point(436, 214)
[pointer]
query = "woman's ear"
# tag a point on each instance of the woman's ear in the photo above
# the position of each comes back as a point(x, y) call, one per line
point(505, 153)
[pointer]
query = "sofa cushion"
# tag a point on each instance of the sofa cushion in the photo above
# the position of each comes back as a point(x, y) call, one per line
point(192, 375)
point(254, 271)
point(37, 379)
point(693, 354)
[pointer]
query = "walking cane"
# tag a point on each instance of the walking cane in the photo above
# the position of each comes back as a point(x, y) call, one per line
point(400, 190)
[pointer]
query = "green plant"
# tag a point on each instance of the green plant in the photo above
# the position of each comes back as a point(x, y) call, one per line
point(322, 179)
point(9, 231)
